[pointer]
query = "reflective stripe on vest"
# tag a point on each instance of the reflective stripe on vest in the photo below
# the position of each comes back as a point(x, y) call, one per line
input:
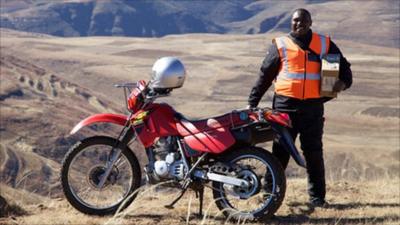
point(284, 54)
point(322, 39)
point(300, 77)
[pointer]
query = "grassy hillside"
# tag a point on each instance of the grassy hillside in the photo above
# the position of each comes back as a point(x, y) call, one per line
point(49, 83)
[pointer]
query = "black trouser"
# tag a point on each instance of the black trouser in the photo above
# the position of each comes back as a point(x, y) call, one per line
point(308, 121)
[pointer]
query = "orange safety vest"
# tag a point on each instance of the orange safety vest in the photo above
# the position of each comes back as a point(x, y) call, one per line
point(300, 71)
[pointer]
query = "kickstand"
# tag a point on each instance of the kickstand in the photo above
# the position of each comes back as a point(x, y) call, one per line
point(200, 195)
point(184, 189)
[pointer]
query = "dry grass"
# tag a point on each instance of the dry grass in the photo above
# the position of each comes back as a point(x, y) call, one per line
point(9, 209)
point(366, 202)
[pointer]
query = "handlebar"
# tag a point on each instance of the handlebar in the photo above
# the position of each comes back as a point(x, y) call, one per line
point(275, 110)
point(125, 85)
point(127, 90)
point(145, 94)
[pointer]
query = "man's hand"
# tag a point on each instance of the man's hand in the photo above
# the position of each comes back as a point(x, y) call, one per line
point(339, 86)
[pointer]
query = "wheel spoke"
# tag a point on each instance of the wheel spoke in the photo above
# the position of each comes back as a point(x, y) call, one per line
point(86, 170)
point(84, 193)
point(120, 163)
point(256, 197)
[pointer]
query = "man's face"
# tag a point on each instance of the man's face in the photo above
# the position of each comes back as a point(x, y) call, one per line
point(301, 23)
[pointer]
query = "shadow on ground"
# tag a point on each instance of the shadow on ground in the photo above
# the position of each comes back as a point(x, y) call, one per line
point(300, 213)
point(303, 219)
point(304, 210)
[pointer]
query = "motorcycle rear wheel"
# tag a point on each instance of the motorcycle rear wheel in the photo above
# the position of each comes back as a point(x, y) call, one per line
point(263, 198)
point(82, 168)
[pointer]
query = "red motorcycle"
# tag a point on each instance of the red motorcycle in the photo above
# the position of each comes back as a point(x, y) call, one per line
point(100, 174)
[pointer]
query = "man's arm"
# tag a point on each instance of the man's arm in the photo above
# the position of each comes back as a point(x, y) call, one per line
point(268, 72)
point(345, 74)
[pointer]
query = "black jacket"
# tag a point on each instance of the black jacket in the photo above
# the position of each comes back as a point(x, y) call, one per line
point(270, 69)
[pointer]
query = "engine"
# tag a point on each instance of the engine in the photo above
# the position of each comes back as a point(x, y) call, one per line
point(167, 163)
point(170, 167)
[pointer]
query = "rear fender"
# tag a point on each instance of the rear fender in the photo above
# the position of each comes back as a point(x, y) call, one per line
point(100, 118)
point(285, 139)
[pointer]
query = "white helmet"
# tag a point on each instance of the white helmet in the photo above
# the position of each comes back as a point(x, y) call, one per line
point(168, 73)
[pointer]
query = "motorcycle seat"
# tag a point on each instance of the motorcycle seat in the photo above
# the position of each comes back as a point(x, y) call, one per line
point(189, 127)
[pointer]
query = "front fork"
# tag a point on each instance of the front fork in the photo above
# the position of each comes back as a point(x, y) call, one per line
point(126, 135)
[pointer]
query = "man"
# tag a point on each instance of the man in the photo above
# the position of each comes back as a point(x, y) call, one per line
point(294, 62)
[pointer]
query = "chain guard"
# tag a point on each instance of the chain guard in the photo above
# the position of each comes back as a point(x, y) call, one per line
point(235, 171)
point(225, 169)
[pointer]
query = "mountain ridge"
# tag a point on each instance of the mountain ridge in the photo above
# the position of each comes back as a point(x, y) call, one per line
point(348, 20)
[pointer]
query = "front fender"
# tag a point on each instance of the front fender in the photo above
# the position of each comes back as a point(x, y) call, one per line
point(100, 118)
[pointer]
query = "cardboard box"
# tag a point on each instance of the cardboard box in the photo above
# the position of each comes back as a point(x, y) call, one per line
point(329, 74)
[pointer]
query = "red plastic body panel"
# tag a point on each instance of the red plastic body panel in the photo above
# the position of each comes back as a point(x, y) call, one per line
point(209, 135)
point(159, 123)
point(214, 141)
point(186, 127)
point(100, 118)
point(280, 118)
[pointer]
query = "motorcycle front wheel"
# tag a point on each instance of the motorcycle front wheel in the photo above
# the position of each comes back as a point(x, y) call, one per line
point(82, 169)
point(266, 190)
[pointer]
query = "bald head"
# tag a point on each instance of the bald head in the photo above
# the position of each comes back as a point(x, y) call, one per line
point(305, 12)
point(301, 22)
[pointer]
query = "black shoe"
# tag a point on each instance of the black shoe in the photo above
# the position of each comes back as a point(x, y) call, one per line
point(318, 202)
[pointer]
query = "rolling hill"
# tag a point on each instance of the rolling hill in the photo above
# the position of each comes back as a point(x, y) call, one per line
point(49, 83)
